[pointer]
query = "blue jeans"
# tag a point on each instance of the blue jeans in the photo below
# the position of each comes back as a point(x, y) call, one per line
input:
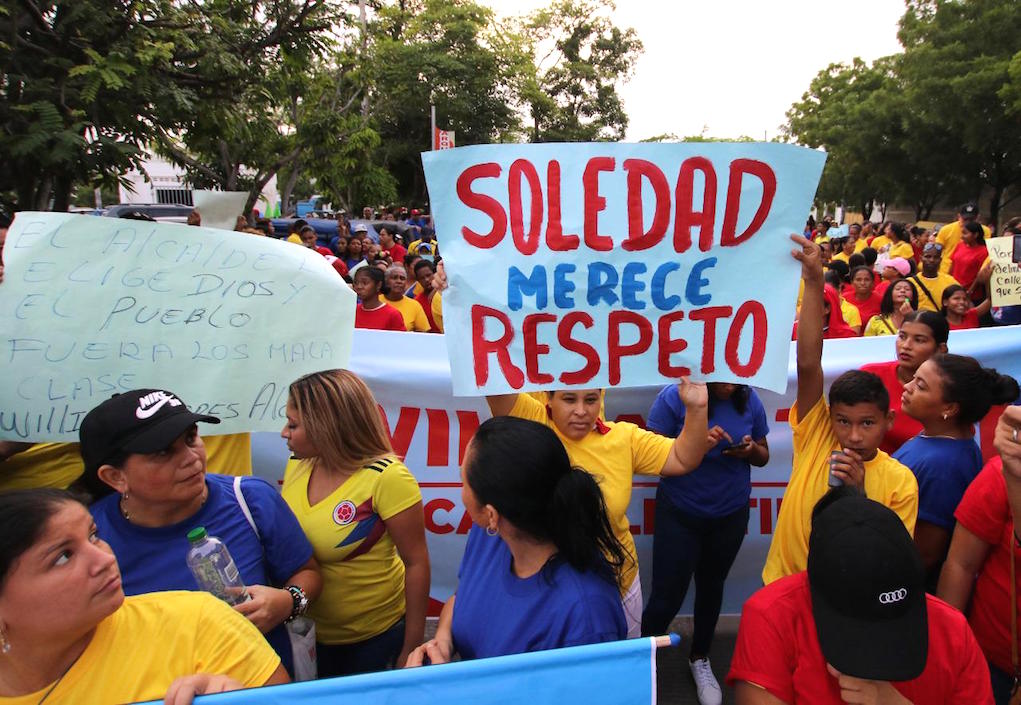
point(685, 545)
point(376, 653)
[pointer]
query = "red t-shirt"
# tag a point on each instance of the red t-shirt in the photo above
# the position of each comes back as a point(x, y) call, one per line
point(985, 512)
point(965, 262)
point(778, 649)
point(386, 317)
point(867, 308)
point(338, 265)
point(396, 253)
point(904, 427)
point(970, 321)
point(423, 298)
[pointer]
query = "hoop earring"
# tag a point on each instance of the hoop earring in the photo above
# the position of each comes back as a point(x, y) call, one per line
point(5, 645)
point(945, 415)
point(491, 531)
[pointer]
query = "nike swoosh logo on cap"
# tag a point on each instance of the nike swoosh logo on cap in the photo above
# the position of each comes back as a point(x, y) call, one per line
point(146, 413)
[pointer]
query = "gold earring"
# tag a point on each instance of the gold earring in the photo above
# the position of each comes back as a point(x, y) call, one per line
point(5, 645)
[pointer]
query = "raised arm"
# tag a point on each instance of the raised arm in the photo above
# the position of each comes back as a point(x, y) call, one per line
point(809, 346)
point(691, 445)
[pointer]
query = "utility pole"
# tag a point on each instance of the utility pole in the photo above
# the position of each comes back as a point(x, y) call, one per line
point(432, 122)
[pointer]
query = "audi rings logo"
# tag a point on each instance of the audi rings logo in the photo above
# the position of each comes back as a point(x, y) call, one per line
point(889, 598)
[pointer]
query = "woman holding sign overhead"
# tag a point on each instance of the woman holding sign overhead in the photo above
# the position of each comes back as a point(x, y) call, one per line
point(614, 453)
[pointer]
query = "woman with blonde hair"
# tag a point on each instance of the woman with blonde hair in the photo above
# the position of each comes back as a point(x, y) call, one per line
point(361, 508)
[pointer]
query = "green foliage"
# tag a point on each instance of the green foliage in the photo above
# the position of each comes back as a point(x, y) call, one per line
point(572, 94)
point(934, 124)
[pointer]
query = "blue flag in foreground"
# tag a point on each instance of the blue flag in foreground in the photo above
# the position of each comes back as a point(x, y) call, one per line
point(617, 673)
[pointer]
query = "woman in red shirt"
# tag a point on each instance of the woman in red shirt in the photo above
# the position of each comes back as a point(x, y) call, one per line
point(921, 335)
point(958, 309)
point(983, 541)
point(864, 297)
point(967, 260)
point(372, 311)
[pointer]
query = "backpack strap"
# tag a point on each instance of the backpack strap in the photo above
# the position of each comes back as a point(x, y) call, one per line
point(924, 288)
point(240, 496)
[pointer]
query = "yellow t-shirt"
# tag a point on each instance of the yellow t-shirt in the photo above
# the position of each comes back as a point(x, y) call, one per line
point(948, 236)
point(437, 309)
point(613, 459)
point(850, 313)
point(886, 481)
point(935, 286)
point(901, 249)
point(878, 243)
point(43, 465)
point(229, 454)
point(879, 325)
point(363, 576)
point(840, 257)
point(152, 639)
point(860, 244)
point(413, 314)
point(295, 238)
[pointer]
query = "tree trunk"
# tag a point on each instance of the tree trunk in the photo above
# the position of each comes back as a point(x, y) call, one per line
point(994, 208)
point(62, 193)
point(292, 180)
point(41, 202)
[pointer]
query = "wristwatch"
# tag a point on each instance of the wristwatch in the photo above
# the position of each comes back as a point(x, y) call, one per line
point(300, 602)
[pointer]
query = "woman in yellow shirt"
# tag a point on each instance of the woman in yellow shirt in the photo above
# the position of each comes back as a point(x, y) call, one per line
point(899, 299)
point(68, 634)
point(361, 509)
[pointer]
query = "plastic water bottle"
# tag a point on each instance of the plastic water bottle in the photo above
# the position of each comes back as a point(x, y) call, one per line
point(214, 569)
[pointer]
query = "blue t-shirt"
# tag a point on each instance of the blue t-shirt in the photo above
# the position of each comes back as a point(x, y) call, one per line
point(152, 559)
point(721, 484)
point(944, 468)
point(497, 613)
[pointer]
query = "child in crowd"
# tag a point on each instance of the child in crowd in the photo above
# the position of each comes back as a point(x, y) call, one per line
point(833, 442)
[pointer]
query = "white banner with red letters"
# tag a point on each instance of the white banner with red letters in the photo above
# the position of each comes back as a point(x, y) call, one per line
point(410, 375)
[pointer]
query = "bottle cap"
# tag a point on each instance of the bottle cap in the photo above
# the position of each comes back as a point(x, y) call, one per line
point(197, 534)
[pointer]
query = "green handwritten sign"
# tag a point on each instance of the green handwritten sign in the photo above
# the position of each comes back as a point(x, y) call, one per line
point(90, 307)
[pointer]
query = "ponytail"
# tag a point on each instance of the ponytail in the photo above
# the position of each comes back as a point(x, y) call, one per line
point(521, 468)
point(579, 526)
point(975, 389)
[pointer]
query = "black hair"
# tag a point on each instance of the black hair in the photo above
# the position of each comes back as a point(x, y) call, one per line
point(842, 268)
point(297, 225)
point(870, 256)
point(1013, 226)
point(856, 260)
point(886, 304)
point(307, 228)
point(833, 278)
point(854, 225)
point(935, 322)
point(975, 389)
point(916, 230)
point(854, 273)
point(858, 387)
point(23, 518)
point(5, 220)
point(373, 273)
point(835, 494)
point(947, 293)
point(900, 234)
point(137, 215)
point(423, 263)
point(521, 468)
point(739, 398)
point(974, 227)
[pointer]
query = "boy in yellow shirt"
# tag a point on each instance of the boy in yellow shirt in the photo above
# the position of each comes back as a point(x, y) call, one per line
point(839, 439)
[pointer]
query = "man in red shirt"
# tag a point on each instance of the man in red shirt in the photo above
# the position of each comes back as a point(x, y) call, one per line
point(390, 247)
point(857, 626)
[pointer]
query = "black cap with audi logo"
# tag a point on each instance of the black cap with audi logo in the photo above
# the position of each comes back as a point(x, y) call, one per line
point(868, 591)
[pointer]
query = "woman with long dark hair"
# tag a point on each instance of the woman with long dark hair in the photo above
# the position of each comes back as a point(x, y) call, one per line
point(899, 300)
point(948, 395)
point(541, 565)
point(967, 258)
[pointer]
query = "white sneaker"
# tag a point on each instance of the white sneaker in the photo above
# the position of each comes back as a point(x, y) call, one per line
point(707, 687)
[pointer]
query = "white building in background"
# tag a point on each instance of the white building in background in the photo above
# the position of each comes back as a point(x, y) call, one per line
point(167, 183)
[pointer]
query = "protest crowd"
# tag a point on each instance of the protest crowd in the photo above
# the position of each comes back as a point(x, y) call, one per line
point(890, 577)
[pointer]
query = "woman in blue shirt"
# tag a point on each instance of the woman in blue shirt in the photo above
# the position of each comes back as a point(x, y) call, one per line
point(948, 395)
point(702, 517)
point(540, 567)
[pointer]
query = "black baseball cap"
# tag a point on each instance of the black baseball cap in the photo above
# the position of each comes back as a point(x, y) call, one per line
point(969, 210)
point(139, 421)
point(868, 591)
